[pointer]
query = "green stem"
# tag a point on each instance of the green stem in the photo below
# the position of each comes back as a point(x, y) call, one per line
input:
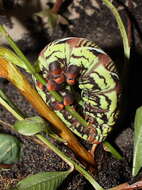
point(21, 55)
point(108, 147)
point(5, 101)
point(76, 115)
point(12, 57)
point(10, 109)
point(121, 28)
point(16, 49)
point(70, 162)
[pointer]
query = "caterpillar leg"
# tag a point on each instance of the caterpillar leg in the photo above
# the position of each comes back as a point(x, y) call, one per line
point(68, 100)
point(57, 105)
point(39, 84)
point(91, 138)
point(52, 85)
point(93, 149)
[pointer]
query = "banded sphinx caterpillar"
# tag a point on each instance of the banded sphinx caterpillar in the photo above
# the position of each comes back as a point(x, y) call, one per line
point(87, 79)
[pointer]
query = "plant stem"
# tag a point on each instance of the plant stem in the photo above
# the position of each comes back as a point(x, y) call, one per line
point(10, 109)
point(121, 27)
point(5, 123)
point(70, 162)
point(16, 49)
point(108, 147)
point(4, 99)
point(21, 55)
point(126, 186)
point(12, 57)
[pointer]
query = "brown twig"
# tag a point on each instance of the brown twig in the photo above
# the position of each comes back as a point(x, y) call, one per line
point(6, 166)
point(126, 186)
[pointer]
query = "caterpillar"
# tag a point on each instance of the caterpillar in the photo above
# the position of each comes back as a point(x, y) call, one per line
point(88, 80)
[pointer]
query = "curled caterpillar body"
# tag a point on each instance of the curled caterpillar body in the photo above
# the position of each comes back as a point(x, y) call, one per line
point(80, 68)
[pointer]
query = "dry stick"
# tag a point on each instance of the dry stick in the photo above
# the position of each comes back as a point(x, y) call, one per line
point(6, 166)
point(9, 71)
point(126, 186)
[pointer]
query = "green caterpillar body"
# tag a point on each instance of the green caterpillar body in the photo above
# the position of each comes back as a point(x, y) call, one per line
point(97, 89)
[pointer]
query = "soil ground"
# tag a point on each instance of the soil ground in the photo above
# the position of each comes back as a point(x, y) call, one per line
point(96, 24)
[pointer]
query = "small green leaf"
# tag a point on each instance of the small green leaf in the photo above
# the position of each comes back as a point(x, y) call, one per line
point(43, 180)
point(10, 148)
point(137, 158)
point(30, 126)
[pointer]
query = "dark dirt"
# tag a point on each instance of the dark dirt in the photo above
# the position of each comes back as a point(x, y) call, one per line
point(96, 24)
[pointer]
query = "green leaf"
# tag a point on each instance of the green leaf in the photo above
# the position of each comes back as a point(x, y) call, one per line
point(30, 126)
point(10, 148)
point(137, 158)
point(43, 181)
